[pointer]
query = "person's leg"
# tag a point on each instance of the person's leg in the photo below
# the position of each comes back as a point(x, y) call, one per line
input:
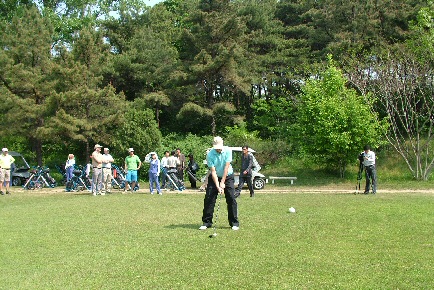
point(209, 203)
point(374, 180)
point(7, 180)
point(368, 179)
point(231, 201)
point(250, 185)
point(94, 181)
point(240, 186)
point(133, 179)
point(151, 183)
point(2, 180)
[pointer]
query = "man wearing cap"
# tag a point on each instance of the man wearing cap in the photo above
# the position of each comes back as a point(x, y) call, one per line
point(107, 171)
point(220, 180)
point(97, 160)
point(6, 161)
point(154, 173)
point(132, 164)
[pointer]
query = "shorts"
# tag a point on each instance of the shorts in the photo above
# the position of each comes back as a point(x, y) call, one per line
point(131, 176)
point(5, 175)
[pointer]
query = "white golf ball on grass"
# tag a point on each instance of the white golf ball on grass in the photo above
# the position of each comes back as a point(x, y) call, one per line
point(292, 210)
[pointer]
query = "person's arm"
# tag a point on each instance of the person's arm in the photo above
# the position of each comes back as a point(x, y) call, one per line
point(216, 179)
point(250, 164)
point(140, 164)
point(158, 167)
point(225, 173)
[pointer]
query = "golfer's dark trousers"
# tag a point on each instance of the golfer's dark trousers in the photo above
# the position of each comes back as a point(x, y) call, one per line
point(371, 175)
point(211, 197)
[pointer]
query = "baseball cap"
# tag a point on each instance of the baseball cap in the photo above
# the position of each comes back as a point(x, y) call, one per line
point(131, 150)
point(5, 149)
point(97, 146)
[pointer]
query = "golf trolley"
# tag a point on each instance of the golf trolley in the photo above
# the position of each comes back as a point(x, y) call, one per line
point(79, 181)
point(119, 180)
point(173, 182)
point(40, 177)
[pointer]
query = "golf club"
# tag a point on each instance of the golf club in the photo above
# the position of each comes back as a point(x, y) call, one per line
point(216, 217)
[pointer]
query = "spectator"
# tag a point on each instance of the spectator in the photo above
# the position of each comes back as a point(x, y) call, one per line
point(107, 171)
point(181, 164)
point(164, 165)
point(6, 161)
point(370, 170)
point(97, 159)
point(154, 173)
point(132, 164)
point(192, 169)
point(245, 172)
point(69, 167)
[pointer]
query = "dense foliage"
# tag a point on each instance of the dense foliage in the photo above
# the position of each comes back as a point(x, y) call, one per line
point(123, 74)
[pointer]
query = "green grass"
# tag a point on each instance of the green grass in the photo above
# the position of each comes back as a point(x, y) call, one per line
point(139, 241)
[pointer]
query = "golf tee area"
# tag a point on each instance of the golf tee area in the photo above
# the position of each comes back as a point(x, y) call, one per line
point(333, 240)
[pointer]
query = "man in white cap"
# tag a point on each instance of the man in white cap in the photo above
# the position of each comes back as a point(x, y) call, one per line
point(97, 160)
point(107, 171)
point(221, 180)
point(154, 173)
point(132, 164)
point(6, 161)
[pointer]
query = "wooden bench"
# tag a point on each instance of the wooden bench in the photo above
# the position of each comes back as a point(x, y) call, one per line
point(282, 177)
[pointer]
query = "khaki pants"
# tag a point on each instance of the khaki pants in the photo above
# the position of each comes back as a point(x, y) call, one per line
point(106, 180)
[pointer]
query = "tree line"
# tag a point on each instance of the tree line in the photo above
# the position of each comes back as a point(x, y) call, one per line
point(325, 77)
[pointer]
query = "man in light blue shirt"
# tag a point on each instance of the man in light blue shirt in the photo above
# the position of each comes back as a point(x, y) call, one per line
point(221, 180)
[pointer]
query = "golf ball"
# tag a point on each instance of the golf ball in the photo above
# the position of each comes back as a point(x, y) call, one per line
point(291, 209)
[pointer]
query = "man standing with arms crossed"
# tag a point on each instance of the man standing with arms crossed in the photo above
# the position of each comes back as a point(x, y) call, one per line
point(107, 171)
point(220, 180)
point(97, 160)
point(132, 164)
point(6, 161)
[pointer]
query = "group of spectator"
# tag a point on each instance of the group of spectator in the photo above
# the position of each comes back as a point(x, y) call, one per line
point(101, 164)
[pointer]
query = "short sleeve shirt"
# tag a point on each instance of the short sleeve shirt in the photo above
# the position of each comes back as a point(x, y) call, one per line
point(132, 162)
point(219, 160)
point(6, 161)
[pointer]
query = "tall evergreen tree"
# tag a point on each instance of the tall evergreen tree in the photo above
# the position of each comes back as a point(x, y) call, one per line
point(27, 77)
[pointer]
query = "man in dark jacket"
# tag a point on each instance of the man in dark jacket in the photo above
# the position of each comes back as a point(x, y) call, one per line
point(246, 172)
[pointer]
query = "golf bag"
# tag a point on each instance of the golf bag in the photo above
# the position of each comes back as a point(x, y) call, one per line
point(118, 180)
point(173, 181)
point(62, 171)
point(79, 181)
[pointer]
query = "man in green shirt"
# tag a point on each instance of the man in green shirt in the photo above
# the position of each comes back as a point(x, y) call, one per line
point(132, 164)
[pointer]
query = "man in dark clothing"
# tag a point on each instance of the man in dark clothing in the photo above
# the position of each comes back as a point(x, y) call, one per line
point(246, 172)
point(192, 169)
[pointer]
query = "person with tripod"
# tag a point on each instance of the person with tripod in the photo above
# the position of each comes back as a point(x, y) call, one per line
point(368, 158)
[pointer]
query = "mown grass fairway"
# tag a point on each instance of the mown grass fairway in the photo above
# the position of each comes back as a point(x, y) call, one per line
point(138, 241)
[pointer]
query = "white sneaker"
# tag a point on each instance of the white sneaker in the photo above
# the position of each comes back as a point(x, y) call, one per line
point(202, 228)
point(235, 228)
